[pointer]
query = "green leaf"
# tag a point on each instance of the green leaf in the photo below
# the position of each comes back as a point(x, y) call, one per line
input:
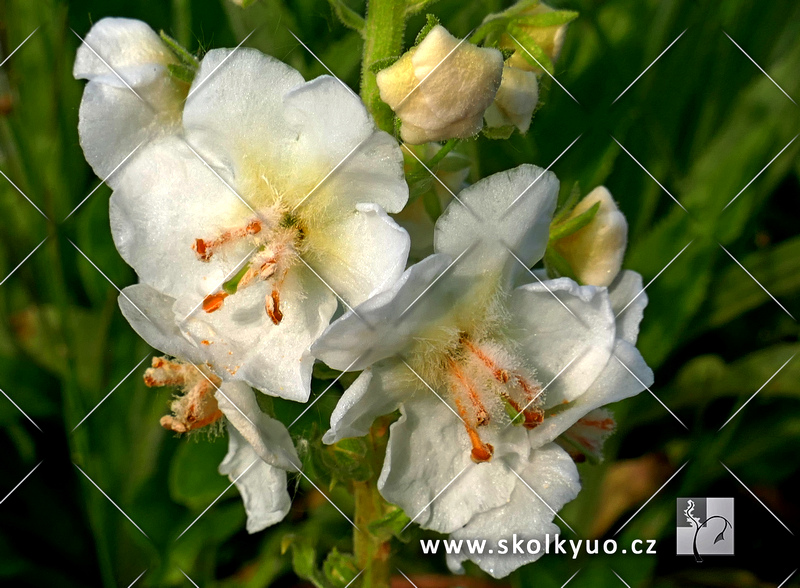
point(304, 559)
point(557, 266)
point(432, 204)
point(181, 72)
point(382, 64)
point(339, 568)
point(183, 55)
point(566, 207)
point(390, 525)
point(573, 225)
point(430, 22)
point(529, 49)
point(348, 17)
point(193, 478)
point(546, 19)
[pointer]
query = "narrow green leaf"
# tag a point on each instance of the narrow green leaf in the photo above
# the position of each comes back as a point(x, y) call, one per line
point(181, 72)
point(183, 55)
point(432, 204)
point(390, 525)
point(417, 6)
point(566, 207)
point(546, 19)
point(557, 266)
point(532, 53)
point(348, 17)
point(430, 22)
point(382, 64)
point(573, 225)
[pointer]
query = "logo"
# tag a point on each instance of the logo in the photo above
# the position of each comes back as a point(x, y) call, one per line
point(705, 527)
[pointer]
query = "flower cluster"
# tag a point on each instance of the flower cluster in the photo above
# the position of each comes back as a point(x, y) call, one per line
point(254, 206)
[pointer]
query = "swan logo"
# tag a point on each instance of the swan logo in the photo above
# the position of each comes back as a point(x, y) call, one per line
point(705, 527)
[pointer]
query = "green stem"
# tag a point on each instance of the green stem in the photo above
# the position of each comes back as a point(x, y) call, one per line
point(385, 25)
point(182, 21)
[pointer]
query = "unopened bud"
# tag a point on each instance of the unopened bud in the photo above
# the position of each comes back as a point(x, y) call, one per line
point(595, 251)
point(515, 100)
point(441, 88)
point(549, 38)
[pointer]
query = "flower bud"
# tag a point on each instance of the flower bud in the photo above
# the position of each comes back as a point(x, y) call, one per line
point(549, 38)
point(595, 251)
point(441, 88)
point(515, 100)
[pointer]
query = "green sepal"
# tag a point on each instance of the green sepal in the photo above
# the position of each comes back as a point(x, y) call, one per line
point(430, 200)
point(304, 559)
point(546, 19)
point(340, 569)
point(181, 72)
point(382, 64)
point(530, 50)
point(430, 21)
point(416, 6)
point(566, 207)
point(557, 266)
point(348, 17)
point(501, 133)
point(181, 53)
point(573, 225)
point(390, 525)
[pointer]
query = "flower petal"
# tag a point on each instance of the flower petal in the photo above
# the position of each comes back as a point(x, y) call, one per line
point(374, 393)
point(361, 254)
point(262, 486)
point(508, 210)
point(429, 473)
point(268, 437)
point(363, 337)
point(150, 314)
point(613, 384)
point(554, 477)
point(627, 288)
point(553, 339)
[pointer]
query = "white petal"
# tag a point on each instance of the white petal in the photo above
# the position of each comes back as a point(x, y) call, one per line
point(613, 384)
point(374, 393)
point(242, 343)
point(627, 288)
point(166, 199)
point(428, 449)
point(335, 131)
point(362, 336)
point(554, 477)
point(553, 339)
point(262, 486)
point(268, 437)
point(361, 254)
point(150, 314)
point(508, 210)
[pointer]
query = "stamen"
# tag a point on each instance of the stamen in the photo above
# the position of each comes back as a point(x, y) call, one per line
point(481, 414)
point(273, 307)
point(213, 302)
point(205, 249)
point(481, 451)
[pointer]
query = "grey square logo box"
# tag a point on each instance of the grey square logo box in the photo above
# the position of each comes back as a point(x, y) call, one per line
point(704, 526)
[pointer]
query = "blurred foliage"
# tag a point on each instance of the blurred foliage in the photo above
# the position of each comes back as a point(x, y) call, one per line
point(704, 121)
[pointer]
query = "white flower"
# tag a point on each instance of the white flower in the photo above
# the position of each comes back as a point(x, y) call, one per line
point(441, 88)
point(515, 101)
point(545, 352)
point(131, 97)
point(595, 251)
point(240, 228)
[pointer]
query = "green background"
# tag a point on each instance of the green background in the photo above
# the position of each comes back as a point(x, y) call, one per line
point(703, 120)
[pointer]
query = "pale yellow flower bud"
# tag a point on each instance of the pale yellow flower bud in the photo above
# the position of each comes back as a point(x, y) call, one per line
point(595, 252)
point(550, 39)
point(515, 100)
point(441, 88)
